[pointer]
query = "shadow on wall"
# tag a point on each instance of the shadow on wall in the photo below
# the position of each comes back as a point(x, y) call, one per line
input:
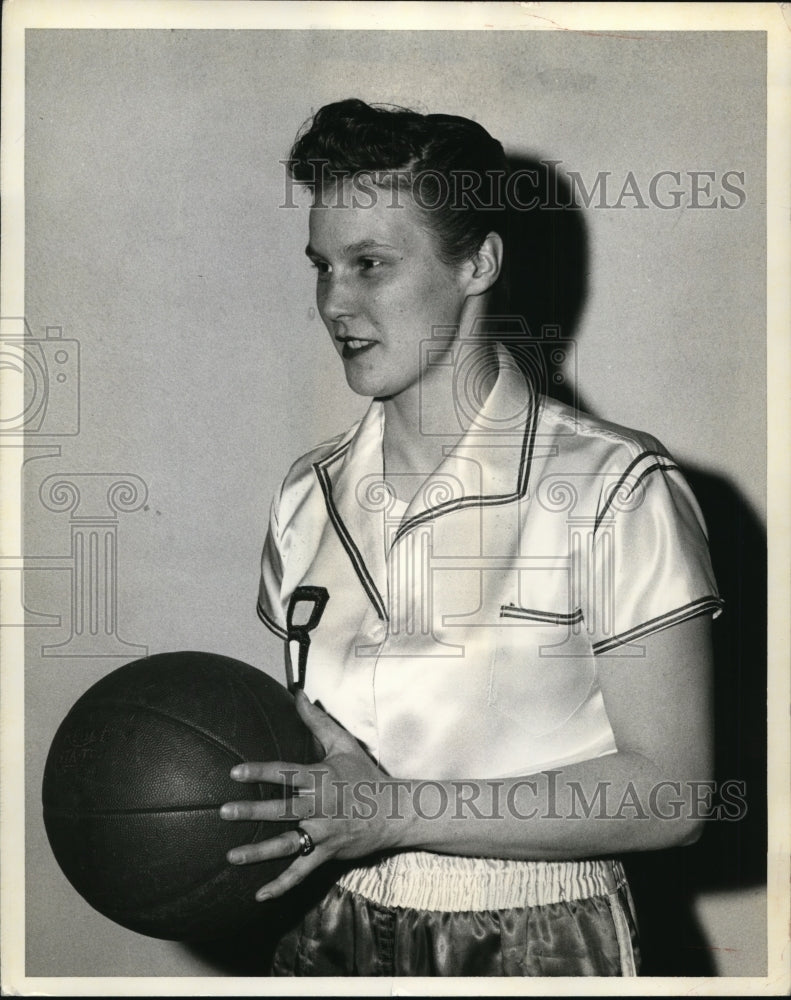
point(731, 855)
point(549, 276)
point(548, 288)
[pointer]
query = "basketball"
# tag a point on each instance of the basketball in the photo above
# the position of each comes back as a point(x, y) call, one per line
point(134, 780)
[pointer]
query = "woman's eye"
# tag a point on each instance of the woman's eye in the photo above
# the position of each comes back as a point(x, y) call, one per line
point(321, 266)
point(370, 263)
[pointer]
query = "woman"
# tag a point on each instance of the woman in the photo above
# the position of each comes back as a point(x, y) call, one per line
point(519, 601)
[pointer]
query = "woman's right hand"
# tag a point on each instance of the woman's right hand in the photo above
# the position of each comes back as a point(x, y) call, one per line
point(341, 803)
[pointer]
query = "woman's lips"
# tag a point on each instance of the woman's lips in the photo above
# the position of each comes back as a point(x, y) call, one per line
point(352, 347)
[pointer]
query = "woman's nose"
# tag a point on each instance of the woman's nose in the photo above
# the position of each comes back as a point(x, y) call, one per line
point(335, 297)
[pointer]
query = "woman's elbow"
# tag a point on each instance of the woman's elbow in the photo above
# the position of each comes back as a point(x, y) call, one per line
point(680, 821)
point(688, 832)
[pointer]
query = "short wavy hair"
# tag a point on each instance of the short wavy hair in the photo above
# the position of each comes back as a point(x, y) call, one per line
point(453, 168)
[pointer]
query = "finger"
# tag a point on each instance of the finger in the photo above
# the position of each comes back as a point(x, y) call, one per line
point(275, 772)
point(295, 807)
point(327, 731)
point(285, 845)
point(291, 877)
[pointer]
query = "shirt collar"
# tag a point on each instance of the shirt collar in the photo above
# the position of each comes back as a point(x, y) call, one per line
point(490, 464)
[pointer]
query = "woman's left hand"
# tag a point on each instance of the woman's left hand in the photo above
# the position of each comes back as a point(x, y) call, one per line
point(340, 805)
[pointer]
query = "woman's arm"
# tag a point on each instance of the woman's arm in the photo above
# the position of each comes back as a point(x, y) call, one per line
point(650, 794)
point(660, 711)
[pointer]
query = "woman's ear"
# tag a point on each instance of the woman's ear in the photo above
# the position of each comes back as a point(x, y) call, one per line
point(487, 263)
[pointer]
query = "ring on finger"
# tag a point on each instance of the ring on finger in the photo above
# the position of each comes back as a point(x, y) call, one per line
point(306, 845)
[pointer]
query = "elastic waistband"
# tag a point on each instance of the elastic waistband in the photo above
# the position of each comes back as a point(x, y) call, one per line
point(421, 880)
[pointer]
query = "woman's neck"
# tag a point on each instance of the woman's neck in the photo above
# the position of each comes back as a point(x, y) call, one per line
point(426, 421)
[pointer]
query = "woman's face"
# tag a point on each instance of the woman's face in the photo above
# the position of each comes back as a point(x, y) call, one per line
point(381, 287)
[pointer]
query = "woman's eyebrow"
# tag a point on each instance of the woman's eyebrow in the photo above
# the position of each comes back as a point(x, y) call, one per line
point(361, 246)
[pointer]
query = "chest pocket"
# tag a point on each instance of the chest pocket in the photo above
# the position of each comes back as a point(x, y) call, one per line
point(542, 669)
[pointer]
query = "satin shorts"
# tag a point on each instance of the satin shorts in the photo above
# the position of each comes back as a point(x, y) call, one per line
point(422, 914)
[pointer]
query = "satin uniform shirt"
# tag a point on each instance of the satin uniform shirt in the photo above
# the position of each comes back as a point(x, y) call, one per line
point(461, 635)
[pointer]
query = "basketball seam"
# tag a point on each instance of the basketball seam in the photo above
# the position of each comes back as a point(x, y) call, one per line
point(254, 695)
point(142, 811)
point(209, 737)
point(150, 911)
point(260, 709)
point(223, 878)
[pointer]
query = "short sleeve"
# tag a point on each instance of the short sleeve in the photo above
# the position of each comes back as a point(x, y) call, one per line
point(270, 607)
point(650, 566)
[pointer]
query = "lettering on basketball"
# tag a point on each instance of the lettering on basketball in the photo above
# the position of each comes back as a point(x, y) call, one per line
point(82, 746)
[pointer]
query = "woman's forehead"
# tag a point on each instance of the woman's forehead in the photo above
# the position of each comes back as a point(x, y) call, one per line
point(365, 214)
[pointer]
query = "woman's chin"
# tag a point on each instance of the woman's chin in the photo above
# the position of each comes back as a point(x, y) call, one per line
point(367, 384)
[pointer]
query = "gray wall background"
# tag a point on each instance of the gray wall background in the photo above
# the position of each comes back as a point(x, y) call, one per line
point(154, 238)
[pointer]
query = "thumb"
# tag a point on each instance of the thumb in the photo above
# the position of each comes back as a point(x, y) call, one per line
point(324, 728)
